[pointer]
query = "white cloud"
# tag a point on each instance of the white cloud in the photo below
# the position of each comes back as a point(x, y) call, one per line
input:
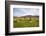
point(33, 12)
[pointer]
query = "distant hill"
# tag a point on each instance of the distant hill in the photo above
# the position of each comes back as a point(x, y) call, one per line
point(25, 16)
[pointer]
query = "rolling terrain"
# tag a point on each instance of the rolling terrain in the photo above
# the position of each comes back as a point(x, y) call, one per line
point(25, 21)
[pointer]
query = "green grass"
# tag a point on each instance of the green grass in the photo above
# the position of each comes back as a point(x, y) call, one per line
point(25, 22)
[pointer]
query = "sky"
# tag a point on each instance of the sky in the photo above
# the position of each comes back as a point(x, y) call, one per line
point(25, 11)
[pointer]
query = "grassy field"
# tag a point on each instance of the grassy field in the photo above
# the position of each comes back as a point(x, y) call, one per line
point(25, 22)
